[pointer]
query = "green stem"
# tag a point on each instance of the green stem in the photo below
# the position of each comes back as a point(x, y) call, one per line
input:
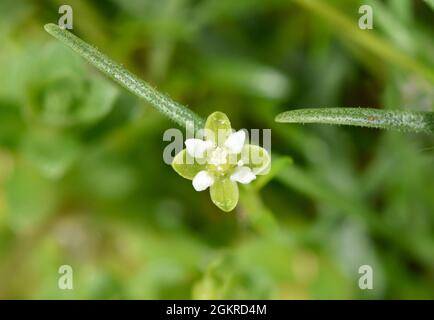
point(430, 3)
point(131, 82)
point(364, 117)
point(348, 28)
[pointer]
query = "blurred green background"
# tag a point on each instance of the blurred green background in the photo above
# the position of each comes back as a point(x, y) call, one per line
point(82, 178)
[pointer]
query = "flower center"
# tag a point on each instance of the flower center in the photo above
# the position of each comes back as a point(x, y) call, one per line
point(218, 157)
point(218, 161)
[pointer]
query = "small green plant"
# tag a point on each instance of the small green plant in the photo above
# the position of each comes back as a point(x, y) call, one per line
point(207, 162)
point(220, 161)
point(226, 159)
point(176, 112)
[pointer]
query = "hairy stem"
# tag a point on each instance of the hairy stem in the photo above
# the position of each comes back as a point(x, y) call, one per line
point(131, 82)
point(364, 117)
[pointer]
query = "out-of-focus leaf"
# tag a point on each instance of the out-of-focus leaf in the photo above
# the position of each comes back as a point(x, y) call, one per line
point(430, 3)
point(50, 151)
point(393, 27)
point(278, 164)
point(351, 246)
point(118, 73)
point(12, 125)
point(11, 14)
point(30, 198)
point(256, 214)
point(98, 102)
point(60, 91)
point(106, 175)
point(252, 79)
point(349, 29)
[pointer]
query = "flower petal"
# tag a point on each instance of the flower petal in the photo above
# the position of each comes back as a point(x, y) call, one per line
point(202, 181)
point(235, 141)
point(224, 194)
point(196, 147)
point(243, 175)
point(186, 166)
point(217, 128)
point(256, 158)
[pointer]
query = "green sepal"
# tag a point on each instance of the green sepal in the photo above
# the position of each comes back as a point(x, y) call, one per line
point(186, 166)
point(224, 193)
point(217, 128)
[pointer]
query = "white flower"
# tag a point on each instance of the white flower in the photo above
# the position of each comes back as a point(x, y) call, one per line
point(243, 175)
point(221, 165)
point(235, 142)
point(218, 157)
point(202, 181)
point(196, 147)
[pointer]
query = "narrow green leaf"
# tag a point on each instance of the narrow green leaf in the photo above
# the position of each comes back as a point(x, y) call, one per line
point(164, 104)
point(364, 117)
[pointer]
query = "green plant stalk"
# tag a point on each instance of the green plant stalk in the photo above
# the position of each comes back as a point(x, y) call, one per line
point(430, 3)
point(176, 112)
point(375, 44)
point(277, 165)
point(364, 117)
point(257, 214)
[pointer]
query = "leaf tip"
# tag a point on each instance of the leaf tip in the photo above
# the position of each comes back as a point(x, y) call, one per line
point(50, 27)
point(280, 117)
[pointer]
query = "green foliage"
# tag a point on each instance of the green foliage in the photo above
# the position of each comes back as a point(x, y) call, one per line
point(60, 94)
point(82, 181)
point(52, 152)
point(174, 111)
point(430, 3)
